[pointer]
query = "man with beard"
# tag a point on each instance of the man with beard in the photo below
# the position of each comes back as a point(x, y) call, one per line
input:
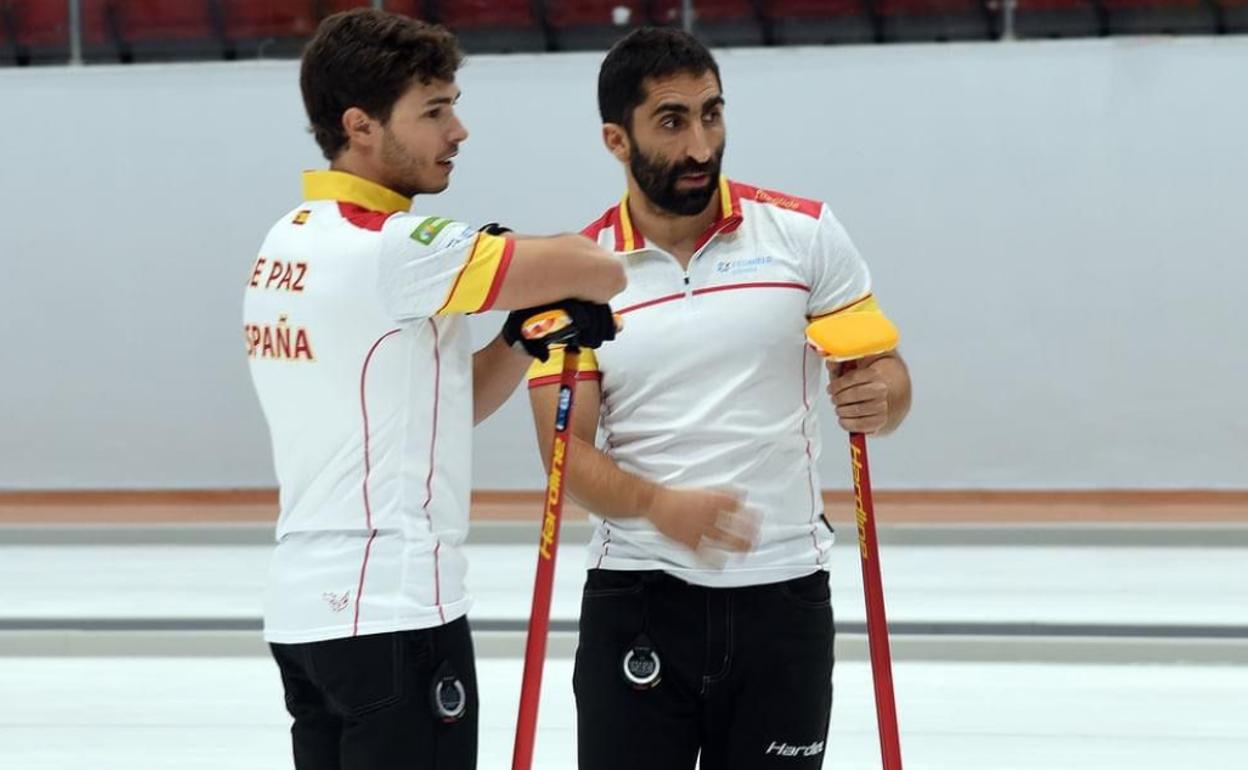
point(360, 355)
point(706, 626)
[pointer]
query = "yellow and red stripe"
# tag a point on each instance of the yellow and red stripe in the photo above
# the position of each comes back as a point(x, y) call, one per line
point(627, 236)
point(548, 372)
point(477, 285)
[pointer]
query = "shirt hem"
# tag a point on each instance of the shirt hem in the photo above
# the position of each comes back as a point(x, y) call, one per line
point(709, 578)
point(325, 634)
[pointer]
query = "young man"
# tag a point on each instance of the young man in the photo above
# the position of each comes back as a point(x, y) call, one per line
point(361, 357)
point(706, 628)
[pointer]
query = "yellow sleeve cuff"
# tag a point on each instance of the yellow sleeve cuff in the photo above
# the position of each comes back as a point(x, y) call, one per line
point(548, 372)
point(479, 280)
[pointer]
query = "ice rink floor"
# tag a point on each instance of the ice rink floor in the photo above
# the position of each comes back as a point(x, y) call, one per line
point(203, 710)
point(1000, 584)
point(226, 714)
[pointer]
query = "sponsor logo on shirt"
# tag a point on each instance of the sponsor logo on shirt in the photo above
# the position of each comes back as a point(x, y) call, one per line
point(301, 217)
point(427, 230)
point(739, 266)
point(776, 200)
point(337, 602)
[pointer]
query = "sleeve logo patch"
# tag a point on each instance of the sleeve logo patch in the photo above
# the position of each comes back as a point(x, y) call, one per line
point(301, 217)
point(427, 230)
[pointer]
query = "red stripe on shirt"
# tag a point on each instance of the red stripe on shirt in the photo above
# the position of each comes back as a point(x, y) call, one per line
point(368, 469)
point(755, 285)
point(713, 289)
point(648, 303)
point(359, 591)
point(595, 228)
point(472, 254)
point(368, 511)
point(810, 463)
point(717, 227)
point(433, 443)
point(810, 208)
point(499, 275)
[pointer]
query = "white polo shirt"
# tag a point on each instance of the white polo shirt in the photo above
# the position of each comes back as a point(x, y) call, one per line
point(362, 360)
point(712, 382)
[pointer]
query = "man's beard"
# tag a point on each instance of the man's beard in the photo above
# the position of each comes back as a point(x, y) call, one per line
point(403, 169)
point(658, 181)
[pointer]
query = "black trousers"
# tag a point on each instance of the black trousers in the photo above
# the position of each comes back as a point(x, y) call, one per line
point(744, 674)
point(399, 700)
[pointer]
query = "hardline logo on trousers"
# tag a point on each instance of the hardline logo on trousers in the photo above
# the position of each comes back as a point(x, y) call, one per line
point(787, 750)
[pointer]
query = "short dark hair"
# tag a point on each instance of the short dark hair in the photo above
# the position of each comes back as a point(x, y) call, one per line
point(648, 52)
point(367, 58)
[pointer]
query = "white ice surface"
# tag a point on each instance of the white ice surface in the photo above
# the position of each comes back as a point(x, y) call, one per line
point(227, 714)
point(922, 583)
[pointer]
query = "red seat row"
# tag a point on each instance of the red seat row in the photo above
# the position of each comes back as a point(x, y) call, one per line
point(45, 23)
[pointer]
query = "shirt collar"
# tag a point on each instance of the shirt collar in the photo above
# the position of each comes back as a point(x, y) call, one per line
point(349, 188)
point(629, 238)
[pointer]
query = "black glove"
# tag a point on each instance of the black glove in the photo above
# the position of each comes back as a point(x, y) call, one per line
point(592, 325)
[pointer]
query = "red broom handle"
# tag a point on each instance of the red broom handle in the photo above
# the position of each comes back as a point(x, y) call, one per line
point(877, 624)
point(543, 585)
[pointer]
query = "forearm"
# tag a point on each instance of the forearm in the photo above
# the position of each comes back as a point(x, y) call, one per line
point(598, 484)
point(544, 270)
point(497, 369)
point(892, 369)
point(591, 477)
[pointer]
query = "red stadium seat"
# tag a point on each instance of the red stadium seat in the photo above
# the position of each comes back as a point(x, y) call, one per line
point(1150, 17)
point(257, 19)
point(37, 24)
point(142, 20)
point(716, 22)
point(918, 20)
point(805, 22)
point(814, 9)
point(926, 7)
point(1052, 5)
point(338, 6)
point(492, 25)
point(473, 14)
point(1122, 5)
point(670, 11)
point(590, 13)
point(144, 30)
point(591, 24)
point(1056, 18)
point(417, 9)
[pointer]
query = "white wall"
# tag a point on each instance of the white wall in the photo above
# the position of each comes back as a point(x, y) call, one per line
point(1059, 229)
